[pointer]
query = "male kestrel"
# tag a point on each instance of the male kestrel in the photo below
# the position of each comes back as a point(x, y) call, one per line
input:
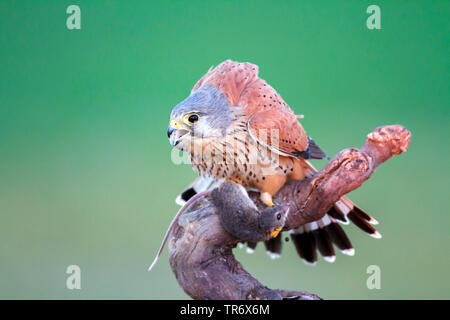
point(235, 126)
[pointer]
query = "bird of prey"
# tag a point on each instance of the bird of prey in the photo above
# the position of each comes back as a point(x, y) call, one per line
point(235, 126)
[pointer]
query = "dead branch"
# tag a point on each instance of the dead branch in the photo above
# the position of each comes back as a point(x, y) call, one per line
point(200, 246)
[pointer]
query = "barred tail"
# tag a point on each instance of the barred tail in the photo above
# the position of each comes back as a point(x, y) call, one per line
point(324, 235)
point(321, 235)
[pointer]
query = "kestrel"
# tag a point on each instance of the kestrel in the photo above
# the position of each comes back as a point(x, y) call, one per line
point(235, 126)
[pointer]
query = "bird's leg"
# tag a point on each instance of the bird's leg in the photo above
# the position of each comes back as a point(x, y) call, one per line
point(269, 186)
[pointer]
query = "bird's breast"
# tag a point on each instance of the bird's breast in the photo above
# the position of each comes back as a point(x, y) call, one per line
point(238, 157)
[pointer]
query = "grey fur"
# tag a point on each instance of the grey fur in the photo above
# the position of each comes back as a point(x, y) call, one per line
point(241, 218)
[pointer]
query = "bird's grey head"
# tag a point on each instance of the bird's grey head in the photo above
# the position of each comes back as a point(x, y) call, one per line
point(205, 113)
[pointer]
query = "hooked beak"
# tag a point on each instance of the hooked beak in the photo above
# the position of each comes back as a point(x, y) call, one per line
point(176, 133)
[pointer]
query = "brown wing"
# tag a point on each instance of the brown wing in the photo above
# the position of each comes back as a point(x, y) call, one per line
point(279, 130)
point(270, 120)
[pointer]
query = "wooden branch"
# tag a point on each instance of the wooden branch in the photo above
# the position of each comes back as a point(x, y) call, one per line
point(200, 246)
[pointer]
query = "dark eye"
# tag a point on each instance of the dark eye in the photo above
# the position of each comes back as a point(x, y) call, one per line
point(279, 216)
point(193, 118)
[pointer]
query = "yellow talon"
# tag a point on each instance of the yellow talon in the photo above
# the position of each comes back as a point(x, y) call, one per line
point(275, 232)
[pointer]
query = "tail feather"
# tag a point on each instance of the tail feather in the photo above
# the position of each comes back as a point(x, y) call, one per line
point(362, 224)
point(339, 238)
point(324, 244)
point(338, 215)
point(356, 215)
point(200, 184)
point(345, 205)
point(321, 235)
point(314, 150)
point(274, 246)
point(305, 244)
point(364, 215)
point(251, 246)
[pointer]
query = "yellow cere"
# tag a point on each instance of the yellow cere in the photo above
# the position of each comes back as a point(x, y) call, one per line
point(176, 125)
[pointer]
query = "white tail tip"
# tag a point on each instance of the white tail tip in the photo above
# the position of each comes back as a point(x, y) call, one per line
point(249, 250)
point(349, 252)
point(312, 264)
point(376, 235)
point(273, 256)
point(343, 222)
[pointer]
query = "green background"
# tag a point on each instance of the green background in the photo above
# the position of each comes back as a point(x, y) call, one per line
point(85, 171)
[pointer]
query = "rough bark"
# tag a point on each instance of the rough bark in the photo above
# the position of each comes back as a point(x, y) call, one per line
point(200, 246)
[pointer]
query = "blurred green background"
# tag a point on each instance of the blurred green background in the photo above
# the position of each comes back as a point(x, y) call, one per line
point(85, 170)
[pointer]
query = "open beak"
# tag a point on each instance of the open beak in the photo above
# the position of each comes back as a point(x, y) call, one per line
point(176, 133)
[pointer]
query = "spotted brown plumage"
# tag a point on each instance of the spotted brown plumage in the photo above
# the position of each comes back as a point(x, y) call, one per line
point(249, 135)
point(262, 108)
point(235, 126)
